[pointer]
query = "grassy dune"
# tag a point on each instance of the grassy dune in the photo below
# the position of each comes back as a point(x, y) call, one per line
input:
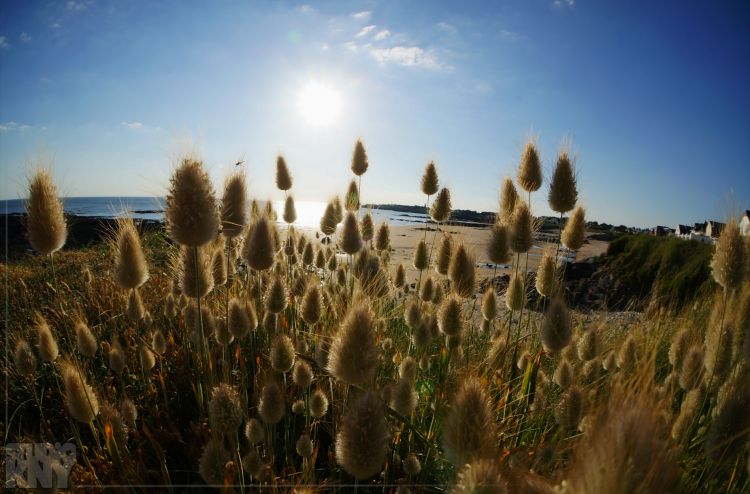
point(262, 357)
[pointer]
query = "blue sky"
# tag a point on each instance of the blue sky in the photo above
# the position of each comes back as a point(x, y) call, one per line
point(652, 95)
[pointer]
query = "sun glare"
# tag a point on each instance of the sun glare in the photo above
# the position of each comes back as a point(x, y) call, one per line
point(319, 104)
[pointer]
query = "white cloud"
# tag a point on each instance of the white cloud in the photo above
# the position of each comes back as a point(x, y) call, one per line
point(448, 28)
point(362, 16)
point(132, 125)
point(407, 56)
point(306, 9)
point(25, 37)
point(381, 35)
point(350, 46)
point(4, 45)
point(365, 30)
point(564, 3)
point(76, 6)
point(11, 126)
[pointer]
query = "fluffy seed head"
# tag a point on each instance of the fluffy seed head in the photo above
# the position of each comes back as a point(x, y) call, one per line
point(303, 374)
point(691, 373)
point(312, 303)
point(219, 268)
point(48, 349)
point(304, 446)
point(498, 247)
point(521, 237)
point(191, 214)
point(588, 345)
point(530, 168)
point(135, 310)
point(719, 351)
point(628, 354)
point(131, 270)
point(546, 275)
point(570, 409)
point(450, 317)
point(276, 296)
point(359, 159)
point(427, 290)
point(290, 213)
point(45, 221)
point(353, 356)
point(254, 431)
point(420, 255)
point(233, 205)
point(212, 464)
point(564, 375)
point(728, 264)
point(515, 295)
point(239, 320)
point(351, 199)
point(444, 254)
point(283, 177)
point(24, 359)
point(222, 334)
point(320, 260)
point(482, 477)
point(429, 184)
point(272, 404)
point(224, 410)
point(383, 237)
point(253, 464)
point(400, 277)
point(318, 404)
point(363, 439)
point(412, 467)
point(116, 357)
point(329, 221)
point(469, 432)
point(412, 314)
point(556, 327)
point(404, 397)
point(308, 255)
point(728, 432)
point(282, 353)
point(85, 340)
point(441, 206)
point(508, 199)
point(259, 248)
point(563, 190)
point(461, 272)
point(80, 398)
point(196, 281)
point(678, 348)
point(626, 447)
point(159, 342)
point(367, 227)
point(351, 240)
point(407, 369)
point(574, 232)
point(146, 357)
point(489, 303)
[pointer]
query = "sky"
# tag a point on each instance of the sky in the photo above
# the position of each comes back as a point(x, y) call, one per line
point(651, 98)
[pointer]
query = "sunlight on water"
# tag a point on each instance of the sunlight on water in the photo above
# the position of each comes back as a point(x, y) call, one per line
point(308, 213)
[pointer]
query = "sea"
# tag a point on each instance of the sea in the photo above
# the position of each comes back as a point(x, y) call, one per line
point(152, 208)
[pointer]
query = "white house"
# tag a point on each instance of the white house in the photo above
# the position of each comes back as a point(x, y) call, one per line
point(745, 224)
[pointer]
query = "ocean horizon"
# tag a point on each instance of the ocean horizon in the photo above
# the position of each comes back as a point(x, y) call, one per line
point(152, 208)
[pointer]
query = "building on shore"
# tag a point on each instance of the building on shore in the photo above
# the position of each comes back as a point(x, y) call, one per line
point(745, 224)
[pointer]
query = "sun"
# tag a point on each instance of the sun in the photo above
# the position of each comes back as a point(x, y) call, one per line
point(319, 104)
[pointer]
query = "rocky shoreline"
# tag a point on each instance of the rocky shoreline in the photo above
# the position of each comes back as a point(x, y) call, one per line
point(82, 232)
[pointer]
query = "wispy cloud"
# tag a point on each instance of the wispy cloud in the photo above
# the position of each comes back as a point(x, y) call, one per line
point(362, 16)
point(306, 9)
point(25, 37)
point(75, 6)
point(381, 35)
point(407, 56)
point(564, 3)
point(132, 125)
point(4, 45)
point(11, 126)
point(447, 28)
point(365, 30)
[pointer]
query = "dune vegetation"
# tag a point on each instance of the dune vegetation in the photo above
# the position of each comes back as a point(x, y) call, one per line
point(233, 351)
